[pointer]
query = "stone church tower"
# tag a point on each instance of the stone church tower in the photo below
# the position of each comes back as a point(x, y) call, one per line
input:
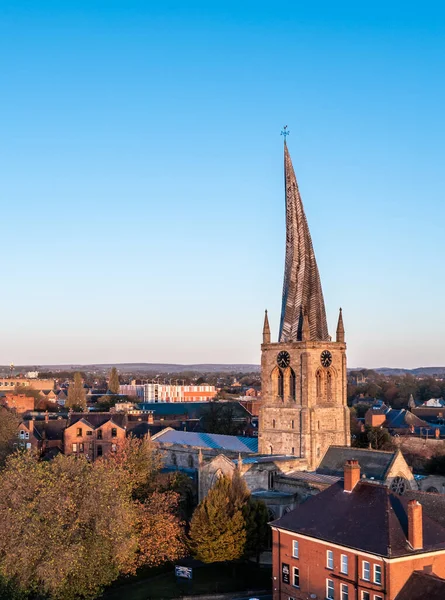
point(304, 408)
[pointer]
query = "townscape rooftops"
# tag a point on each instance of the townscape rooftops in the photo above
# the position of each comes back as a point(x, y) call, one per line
point(212, 441)
point(98, 419)
point(401, 419)
point(383, 532)
point(374, 464)
point(422, 585)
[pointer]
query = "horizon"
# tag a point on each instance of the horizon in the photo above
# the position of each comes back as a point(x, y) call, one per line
point(143, 199)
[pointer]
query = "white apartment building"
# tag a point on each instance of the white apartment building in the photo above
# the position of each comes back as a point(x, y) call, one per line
point(161, 392)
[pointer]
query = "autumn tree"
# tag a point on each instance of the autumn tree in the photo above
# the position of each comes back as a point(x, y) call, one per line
point(218, 529)
point(92, 528)
point(9, 424)
point(76, 394)
point(113, 382)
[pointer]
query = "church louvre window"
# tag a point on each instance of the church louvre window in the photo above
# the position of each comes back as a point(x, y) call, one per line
point(329, 386)
point(318, 377)
point(280, 384)
point(292, 385)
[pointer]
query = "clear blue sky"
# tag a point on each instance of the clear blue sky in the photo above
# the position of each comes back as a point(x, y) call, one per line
point(141, 179)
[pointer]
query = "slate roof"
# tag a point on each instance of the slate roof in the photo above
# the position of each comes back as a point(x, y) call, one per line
point(370, 519)
point(422, 586)
point(313, 477)
point(192, 410)
point(53, 430)
point(374, 464)
point(402, 419)
point(98, 419)
point(208, 440)
point(141, 429)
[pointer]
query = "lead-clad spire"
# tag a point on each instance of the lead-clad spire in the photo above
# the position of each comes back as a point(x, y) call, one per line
point(302, 293)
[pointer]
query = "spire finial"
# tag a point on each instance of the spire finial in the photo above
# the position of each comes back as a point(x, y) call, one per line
point(285, 132)
point(266, 329)
point(340, 328)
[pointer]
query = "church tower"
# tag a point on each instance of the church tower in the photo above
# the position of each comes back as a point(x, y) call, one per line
point(303, 375)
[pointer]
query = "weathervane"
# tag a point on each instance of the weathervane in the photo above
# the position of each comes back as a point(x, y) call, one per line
point(285, 133)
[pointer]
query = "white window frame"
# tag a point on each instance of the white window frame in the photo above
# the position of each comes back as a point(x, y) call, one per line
point(344, 562)
point(295, 546)
point(330, 589)
point(329, 559)
point(293, 577)
point(344, 589)
point(377, 597)
point(74, 447)
point(380, 571)
point(363, 595)
point(22, 434)
point(365, 562)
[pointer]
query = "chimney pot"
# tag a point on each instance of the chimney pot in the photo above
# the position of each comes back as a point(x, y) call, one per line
point(415, 525)
point(351, 475)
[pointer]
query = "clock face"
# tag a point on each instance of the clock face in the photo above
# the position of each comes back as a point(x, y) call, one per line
point(283, 359)
point(326, 358)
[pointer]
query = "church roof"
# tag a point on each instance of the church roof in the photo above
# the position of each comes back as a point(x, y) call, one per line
point(374, 464)
point(212, 441)
point(302, 293)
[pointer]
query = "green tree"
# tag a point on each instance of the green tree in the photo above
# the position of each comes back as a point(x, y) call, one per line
point(377, 438)
point(113, 382)
point(257, 529)
point(218, 528)
point(76, 394)
point(9, 424)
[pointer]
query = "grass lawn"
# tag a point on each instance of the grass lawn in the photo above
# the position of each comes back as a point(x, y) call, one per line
point(211, 579)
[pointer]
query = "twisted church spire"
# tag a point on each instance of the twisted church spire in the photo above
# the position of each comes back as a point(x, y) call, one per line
point(302, 293)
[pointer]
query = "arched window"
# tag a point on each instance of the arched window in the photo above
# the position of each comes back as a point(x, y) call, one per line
point(270, 450)
point(318, 377)
point(280, 383)
point(292, 385)
point(329, 386)
point(190, 461)
point(277, 382)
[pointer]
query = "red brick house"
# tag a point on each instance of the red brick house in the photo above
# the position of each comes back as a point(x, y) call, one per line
point(44, 436)
point(94, 434)
point(357, 540)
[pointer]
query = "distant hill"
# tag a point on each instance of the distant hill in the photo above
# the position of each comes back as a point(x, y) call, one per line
point(418, 372)
point(144, 368)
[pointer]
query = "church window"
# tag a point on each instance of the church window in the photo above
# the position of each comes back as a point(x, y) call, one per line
point(174, 459)
point(318, 377)
point(329, 386)
point(280, 384)
point(293, 424)
point(292, 384)
point(190, 460)
point(318, 425)
point(293, 450)
point(270, 449)
point(273, 423)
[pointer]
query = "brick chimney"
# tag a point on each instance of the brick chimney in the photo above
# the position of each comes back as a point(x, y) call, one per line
point(415, 525)
point(351, 475)
point(150, 417)
point(46, 417)
point(31, 425)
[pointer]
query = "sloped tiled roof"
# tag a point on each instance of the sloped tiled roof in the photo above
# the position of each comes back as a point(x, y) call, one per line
point(403, 419)
point(370, 519)
point(423, 586)
point(208, 440)
point(374, 464)
point(98, 419)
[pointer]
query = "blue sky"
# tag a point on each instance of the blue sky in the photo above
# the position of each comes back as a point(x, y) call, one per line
point(141, 186)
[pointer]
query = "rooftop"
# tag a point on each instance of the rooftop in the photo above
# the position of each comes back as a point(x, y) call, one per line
point(383, 532)
point(207, 440)
point(374, 464)
point(422, 586)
